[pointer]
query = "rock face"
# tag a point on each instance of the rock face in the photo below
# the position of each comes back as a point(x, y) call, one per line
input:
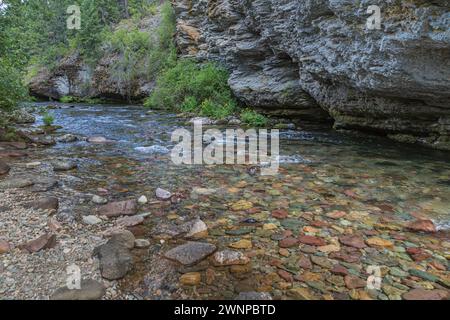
point(307, 57)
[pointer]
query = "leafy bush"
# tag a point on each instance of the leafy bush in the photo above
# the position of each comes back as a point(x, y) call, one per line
point(253, 118)
point(67, 99)
point(48, 119)
point(194, 88)
point(11, 88)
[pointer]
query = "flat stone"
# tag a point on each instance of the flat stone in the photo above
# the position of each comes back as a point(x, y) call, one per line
point(322, 262)
point(99, 200)
point(141, 243)
point(98, 140)
point(230, 258)
point(312, 241)
point(254, 296)
point(379, 243)
point(4, 246)
point(424, 275)
point(63, 165)
point(301, 294)
point(130, 221)
point(241, 205)
point(422, 294)
point(115, 259)
point(241, 244)
point(48, 203)
point(288, 242)
point(15, 183)
point(197, 229)
point(329, 248)
point(353, 282)
point(190, 253)
point(46, 241)
point(67, 138)
point(91, 220)
point(339, 270)
point(305, 263)
point(163, 194)
point(336, 214)
point(90, 290)
point(422, 226)
point(280, 214)
point(191, 279)
point(353, 241)
point(121, 208)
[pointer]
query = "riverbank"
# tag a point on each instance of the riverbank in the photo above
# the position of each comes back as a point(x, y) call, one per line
point(338, 206)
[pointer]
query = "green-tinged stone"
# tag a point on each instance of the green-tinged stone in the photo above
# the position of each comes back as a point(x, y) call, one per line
point(239, 232)
point(317, 285)
point(292, 224)
point(424, 275)
point(397, 272)
point(217, 232)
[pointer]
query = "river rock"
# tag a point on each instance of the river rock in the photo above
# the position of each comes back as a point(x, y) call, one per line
point(353, 282)
point(46, 241)
point(353, 241)
point(4, 168)
point(422, 294)
point(379, 243)
point(121, 208)
point(197, 229)
point(98, 140)
point(191, 279)
point(15, 183)
point(99, 200)
point(115, 259)
point(422, 226)
point(143, 200)
point(130, 221)
point(91, 220)
point(124, 237)
point(4, 246)
point(48, 203)
point(230, 258)
point(163, 194)
point(90, 290)
point(141, 243)
point(190, 253)
point(63, 165)
point(67, 138)
point(312, 240)
point(241, 244)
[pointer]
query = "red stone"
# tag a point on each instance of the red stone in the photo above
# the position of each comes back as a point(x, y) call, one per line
point(47, 241)
point(339, 270)
point(353, 241)
point(312, 241)
point(418, 254)
point(116, 209)
point(288, 243)
point(285, 275)
point(280, 214)
point(305, 263)
point(422, 226)
point(352, 282)
point(422, 294)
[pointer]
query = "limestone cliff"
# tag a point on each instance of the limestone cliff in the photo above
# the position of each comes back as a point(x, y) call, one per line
point(311, 56)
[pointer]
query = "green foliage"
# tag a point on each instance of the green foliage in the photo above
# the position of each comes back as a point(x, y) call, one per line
point(48, 119)
point(195, 88)
point(253, 118)
point(67, 99)
point(11, 88)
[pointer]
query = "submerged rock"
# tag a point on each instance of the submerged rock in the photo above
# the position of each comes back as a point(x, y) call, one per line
point(48, 203)
point(63, 165)
point(190, 253)
point(4, 246)
point(163, 194)
point(121, 208)
point(15, 183)
point(115, 259)
point(90, 290)
point(422, 226)
point(91, 220)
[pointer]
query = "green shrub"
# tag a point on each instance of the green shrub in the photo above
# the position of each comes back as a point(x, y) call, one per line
point(67, 99)
point(190, 87)
point(11, 89)
point(253, 118)
point(48, 119)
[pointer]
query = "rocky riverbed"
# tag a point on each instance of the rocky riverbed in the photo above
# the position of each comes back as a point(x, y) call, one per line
point(102, 194)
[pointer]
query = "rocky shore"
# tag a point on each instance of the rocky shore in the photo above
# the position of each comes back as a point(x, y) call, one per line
point(235, 235)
